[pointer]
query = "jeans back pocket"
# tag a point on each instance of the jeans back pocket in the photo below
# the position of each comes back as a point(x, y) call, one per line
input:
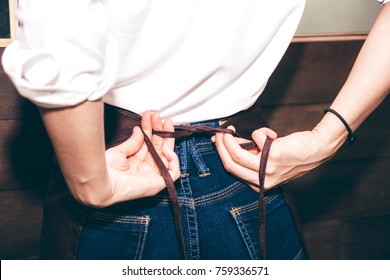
point(112, 237)
point(283, 241)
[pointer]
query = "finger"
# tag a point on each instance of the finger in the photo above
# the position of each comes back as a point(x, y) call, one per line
point(157, 125)
point(239, 155)
point(230, 145)
point(146, 123)
point(251, 177)
point(169, 143)
point(261, 134)
point(147, 127)
point(233, 167)
point(173, 165)
point(253, 150)
point(131, 145)
point(221, 149)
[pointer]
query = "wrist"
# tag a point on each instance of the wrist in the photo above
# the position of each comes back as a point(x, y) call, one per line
point(94, 191)
point(330, 134)
point(351, 135)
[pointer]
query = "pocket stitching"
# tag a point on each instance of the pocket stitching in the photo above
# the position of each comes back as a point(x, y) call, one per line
point(142, 239)
point(235, 212)
point(142, 221)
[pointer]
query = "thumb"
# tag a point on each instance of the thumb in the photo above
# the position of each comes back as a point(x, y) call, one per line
point(133, 144)
point(261, 134)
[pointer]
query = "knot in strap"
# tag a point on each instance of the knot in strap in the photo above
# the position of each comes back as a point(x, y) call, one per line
point(188, 130)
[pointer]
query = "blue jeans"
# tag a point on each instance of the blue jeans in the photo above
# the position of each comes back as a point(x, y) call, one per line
point(219, 217)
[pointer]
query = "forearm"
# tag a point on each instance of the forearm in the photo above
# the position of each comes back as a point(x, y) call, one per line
point(366, 87)
point(78, 140)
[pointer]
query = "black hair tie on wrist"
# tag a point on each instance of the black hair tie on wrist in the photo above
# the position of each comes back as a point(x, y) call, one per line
point(351, 136)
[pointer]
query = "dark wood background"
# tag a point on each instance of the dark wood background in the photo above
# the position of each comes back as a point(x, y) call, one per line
point(343, 206)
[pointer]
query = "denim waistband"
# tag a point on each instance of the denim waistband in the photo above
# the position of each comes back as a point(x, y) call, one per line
point(211, 123)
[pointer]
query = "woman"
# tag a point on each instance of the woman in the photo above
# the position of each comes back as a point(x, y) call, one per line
point(199, 63)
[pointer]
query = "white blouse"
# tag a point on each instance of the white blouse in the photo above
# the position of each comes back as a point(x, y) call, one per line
point(191, 60)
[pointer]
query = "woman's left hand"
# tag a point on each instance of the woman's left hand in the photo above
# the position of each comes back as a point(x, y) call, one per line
point(290, 157)
point(131, 166)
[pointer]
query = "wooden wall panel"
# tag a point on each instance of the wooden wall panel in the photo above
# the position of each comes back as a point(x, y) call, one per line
point(360, 238)
point(25, 164)
point(10, 101)
point(25, 154)
point(343, 189)
point(311, 73)
point(20, 224)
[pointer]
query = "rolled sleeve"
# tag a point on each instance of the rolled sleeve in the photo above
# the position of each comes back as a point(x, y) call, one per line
point(59, 56)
